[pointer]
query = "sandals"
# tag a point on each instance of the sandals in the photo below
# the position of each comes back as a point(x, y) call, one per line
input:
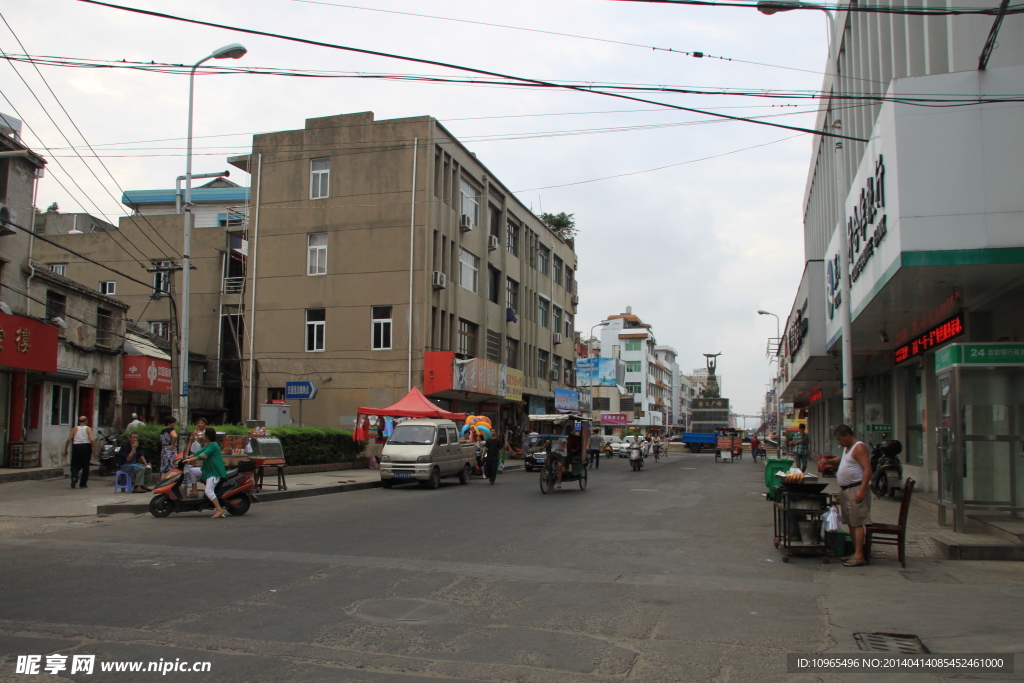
point(219, 515)
point(851, 563)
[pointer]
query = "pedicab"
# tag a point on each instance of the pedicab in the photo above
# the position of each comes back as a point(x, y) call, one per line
point(548, 428)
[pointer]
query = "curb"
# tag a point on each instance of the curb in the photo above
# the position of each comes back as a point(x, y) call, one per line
point(34, 475)
point(269, 496)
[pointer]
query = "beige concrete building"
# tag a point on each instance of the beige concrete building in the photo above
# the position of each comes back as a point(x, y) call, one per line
point(477, 299)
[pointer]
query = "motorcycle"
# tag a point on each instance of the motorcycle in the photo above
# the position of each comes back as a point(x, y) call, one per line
point(108, 455)
point(886, 468)
point(233, 491)
point(636, 457)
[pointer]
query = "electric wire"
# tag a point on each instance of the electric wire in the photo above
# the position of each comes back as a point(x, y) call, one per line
point(537, 82)
point(86, 141)
point(847, 7)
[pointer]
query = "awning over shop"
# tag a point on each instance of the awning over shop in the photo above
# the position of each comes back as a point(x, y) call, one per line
point(414, 404)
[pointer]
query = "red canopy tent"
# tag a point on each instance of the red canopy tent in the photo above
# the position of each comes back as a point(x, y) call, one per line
point(413, 404)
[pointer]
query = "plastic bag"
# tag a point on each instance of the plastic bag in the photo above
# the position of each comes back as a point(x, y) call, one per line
point(833, 519)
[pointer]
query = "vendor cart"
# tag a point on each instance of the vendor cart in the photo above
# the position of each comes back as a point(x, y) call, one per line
point(728, 443)
point(798, 512)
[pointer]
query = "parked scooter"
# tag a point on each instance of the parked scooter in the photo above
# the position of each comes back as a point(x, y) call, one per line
point(886, 468)
point(108, 455)
point(234, 492)
point(636, 457)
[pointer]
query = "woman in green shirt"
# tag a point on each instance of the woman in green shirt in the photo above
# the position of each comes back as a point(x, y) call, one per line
point(212, 463)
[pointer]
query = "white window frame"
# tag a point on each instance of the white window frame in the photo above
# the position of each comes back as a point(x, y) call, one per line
point(543, 314)
point(58, 394)
point(470, 201)
point(469, 269)
point(162, 280)
point(316, 254)
point(557, 268)
point(381, 324)
point(319, 327)
point(159, 328)
point(59, 268)
point(108, 287)
point(320, 178)
point(543, 259)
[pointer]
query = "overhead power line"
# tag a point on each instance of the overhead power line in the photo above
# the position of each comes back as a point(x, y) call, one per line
point(850, 7)
point(484, 72)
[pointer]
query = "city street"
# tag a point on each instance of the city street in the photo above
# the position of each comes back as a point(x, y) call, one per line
point(668, 574)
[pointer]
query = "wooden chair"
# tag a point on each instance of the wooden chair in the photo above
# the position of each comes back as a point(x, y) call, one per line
point(891, 534)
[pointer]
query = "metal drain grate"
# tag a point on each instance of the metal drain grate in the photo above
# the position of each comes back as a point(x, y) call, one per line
point(890, 642)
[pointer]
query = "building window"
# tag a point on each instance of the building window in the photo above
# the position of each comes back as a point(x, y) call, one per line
point(569, 326)
point(542, 363)
point(569, 279)
point(60, 405)
point(543, 257)
point(470, 202)
point(108, 287)
point(633, 344)
point(601, 403)
point(556, 365)
point(275, 394)
point(494, 226)
point(59, 268)
point(568, 378)
point(316, 255)
point(634, 366)
point(493, 284)
point(56, 305)
point(469, 271)
point(316, 324)
point(319, 178)
point(161, 276)
point(634, 387)
point(467, 338)
point(381, 326)
point(556, 319)
point(512, 238)
point(512, 294)
point(160, 329)
point(104, 327)
point(494, 346)
point(512, 352)
point(557, 265)
point(543, 308)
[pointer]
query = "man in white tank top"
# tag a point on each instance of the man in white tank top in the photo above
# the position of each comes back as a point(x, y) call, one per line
point(854, 498)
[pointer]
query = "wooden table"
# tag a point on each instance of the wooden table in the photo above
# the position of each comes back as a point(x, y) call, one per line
point(262, 463)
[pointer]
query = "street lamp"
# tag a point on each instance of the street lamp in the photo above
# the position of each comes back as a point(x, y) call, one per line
point(768, 7)
point(232, 51)
point(590, 360)
point(778, 384)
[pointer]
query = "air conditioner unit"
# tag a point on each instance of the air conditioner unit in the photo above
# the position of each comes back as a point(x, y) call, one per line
point(7, 214)
point(557, 338)
point(440, 280)
point(575, 299)
point(466, 223)
point(492, 243)
point(555, 375)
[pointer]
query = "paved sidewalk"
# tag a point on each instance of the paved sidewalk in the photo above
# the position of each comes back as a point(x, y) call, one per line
point(54, 498)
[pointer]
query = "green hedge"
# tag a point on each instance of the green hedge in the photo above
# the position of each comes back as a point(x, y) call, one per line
point(301, 445)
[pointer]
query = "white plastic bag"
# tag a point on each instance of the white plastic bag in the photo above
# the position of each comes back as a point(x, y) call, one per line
point(833, 520)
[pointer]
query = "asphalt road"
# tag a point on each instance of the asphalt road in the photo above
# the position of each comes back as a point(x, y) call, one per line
point(668, 574)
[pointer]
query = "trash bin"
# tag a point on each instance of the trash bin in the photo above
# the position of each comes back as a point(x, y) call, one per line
point(771, 466)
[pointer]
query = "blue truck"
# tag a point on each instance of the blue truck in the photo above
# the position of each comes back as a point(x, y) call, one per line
point(698, 442)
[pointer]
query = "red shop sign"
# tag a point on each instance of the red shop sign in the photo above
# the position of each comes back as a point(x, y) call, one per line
point(27, 344)
point(147, 374)
point(614, 419)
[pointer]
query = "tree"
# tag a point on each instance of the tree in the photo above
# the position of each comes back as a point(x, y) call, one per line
point(563, 224)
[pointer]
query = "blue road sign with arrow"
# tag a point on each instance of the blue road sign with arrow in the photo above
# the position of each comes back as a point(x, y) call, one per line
point(300, 390)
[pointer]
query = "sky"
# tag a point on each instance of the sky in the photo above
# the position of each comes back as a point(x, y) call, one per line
point(696, 247)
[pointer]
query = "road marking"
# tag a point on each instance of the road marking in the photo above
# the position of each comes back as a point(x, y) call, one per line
point(654, 490)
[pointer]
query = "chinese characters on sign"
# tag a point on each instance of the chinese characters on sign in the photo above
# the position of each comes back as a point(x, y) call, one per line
point(23, 337)
point(872, 198)
point(942, 332)
point(711, 403)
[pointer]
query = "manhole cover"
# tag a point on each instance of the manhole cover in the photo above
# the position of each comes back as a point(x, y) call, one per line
point(403, 609)
point(890, 642)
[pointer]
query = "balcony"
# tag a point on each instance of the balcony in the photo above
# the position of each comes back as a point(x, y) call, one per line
point(232, 285)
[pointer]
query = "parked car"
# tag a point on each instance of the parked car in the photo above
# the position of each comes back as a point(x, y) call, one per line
point(534, 461)
point(425, 451)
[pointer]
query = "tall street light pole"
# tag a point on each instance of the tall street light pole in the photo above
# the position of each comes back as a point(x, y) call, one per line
point(232, 51)
point(778, 382)
point(590, 360)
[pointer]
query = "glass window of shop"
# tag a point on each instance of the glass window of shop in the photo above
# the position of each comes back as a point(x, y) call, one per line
point(913, 415)
point(873, 406)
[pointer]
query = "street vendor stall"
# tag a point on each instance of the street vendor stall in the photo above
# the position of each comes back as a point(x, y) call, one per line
point(413, 404)
point(799, 507)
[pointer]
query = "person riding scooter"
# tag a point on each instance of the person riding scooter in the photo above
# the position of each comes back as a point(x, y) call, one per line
point(212, 462)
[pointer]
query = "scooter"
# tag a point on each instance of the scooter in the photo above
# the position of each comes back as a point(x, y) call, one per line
point(233, 491)
point(886, 468)
point(108, 455)
point(636, 458)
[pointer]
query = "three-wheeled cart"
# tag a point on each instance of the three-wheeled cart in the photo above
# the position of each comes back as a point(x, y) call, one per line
point(728, 441)
point(799, 509)
point(575, 469)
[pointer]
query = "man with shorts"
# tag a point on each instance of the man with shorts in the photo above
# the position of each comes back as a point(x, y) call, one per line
point(854, 498)
point(557, 451)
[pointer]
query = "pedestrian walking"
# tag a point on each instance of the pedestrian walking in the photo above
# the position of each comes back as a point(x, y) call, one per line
point(82, 443)
point(853, 476)
point(134, 425)
point(594, 449)
point(798, 445)
point(493, 448)
point(755, 445)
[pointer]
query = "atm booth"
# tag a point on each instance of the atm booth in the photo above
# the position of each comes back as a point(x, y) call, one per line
point(981, 430)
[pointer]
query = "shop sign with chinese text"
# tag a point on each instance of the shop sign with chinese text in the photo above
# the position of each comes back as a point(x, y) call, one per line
point(143, 373)
point(939, 334)
point(979, 355)
point(27, 344)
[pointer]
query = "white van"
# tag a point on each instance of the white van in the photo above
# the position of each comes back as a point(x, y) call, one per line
point(425, 451)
